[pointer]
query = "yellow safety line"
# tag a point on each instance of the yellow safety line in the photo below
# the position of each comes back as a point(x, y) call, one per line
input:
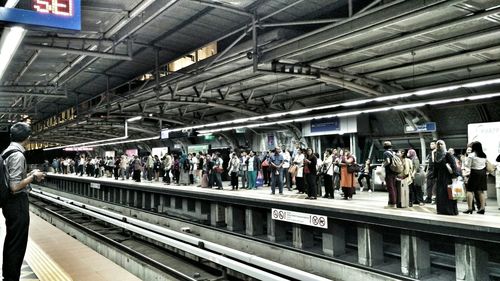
point(43, 266)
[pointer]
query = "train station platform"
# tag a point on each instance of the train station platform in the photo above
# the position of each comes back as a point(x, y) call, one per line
point(52, 255)
point(375, 201)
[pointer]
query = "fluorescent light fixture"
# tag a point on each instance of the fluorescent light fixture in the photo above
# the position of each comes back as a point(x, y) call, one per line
point(11, 38)
point(126, 141)
point(134, 119)
point(357, 112)
point(11, 3)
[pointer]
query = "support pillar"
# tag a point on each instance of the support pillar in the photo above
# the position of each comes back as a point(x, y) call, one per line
point(254, 222)
point(276, 230)
point(161, 207)
point(415, 255)
point(334, 240)
point(235, 218)
point(217, 214)
point(185, 208)
point(471, 261)
point(302, 236)
point(370, 246)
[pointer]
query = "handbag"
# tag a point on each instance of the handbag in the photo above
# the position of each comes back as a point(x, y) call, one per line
point(352, 168)
point(306, 170)
point(293, 169)
point(490, 168)
point(219, 170)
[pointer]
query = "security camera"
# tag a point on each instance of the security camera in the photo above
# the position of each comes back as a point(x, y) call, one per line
point(249, 55)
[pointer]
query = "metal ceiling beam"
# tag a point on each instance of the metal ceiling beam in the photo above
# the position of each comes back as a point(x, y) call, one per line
point(66, 40)
point(305, 22)
point(365, 91)
point(129, 27)
point(26, 66)
point(223, 7)
point(423, 63)
point(398, 39)
point(393, 13)
point(81, 52)
point(45, 95)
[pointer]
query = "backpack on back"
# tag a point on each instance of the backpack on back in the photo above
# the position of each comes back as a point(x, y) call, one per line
point(396, 164)
point(5, 191)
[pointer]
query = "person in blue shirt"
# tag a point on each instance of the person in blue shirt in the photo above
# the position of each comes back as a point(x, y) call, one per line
point(276, 165)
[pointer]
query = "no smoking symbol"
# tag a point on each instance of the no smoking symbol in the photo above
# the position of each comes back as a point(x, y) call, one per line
point(315, 220)
point(322, 221)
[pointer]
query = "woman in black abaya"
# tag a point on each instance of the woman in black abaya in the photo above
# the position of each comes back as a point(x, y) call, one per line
point(444, 170)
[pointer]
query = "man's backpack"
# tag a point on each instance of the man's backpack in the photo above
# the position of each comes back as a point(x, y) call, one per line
point(5, 191)
point(396, 164)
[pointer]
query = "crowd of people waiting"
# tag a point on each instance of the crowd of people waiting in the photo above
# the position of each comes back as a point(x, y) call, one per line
point(305, 171)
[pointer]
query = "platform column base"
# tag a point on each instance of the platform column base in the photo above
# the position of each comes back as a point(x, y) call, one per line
point(276, 230)
point(334, 240)
point(254, 222)
point(302, 237)
point(471, 261)
point(217, 215)
point(235, 218)
point(370, 246)
point(415, 255)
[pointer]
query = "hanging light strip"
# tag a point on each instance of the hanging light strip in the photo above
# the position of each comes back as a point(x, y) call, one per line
point(408, 94)
point(355, 112)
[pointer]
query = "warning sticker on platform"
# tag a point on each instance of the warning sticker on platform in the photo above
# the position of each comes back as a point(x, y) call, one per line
point(300, 218)
point(95, 185)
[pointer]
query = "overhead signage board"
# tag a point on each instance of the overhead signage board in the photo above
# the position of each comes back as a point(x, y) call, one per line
point(423, 128)
point(60, 14)
point(300, 218)
point(325, 125)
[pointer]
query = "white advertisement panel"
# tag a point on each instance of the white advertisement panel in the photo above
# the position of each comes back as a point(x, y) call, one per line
point(488, 134)
point(160, 151)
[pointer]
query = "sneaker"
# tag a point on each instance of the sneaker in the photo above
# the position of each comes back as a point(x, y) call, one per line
point(369, 191)
point(361, 189)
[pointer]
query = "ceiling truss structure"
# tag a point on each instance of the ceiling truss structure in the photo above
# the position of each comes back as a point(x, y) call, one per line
point(272, 56)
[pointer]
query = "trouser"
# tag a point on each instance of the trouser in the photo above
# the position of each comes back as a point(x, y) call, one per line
point(252, 179)
point(17, 220)
point(218, 180)
point(288, 179)
point(300, 183)
point(390, 182)
point(328, 185)
point(116, 172)
point(234, 180)
point(166, 177)
point(431, 187)
point(277, 179)
point(245, 177)
point(211, 179)
point(311, 185)
point(368, 178)
point(177, 174)
point(149, 173)
point(80, 170)
point(265, 173)
point(137, 175)
point(336, 181)
point(416, 194)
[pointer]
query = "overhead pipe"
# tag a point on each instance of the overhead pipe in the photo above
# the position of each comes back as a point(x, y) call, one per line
point(28, 64)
